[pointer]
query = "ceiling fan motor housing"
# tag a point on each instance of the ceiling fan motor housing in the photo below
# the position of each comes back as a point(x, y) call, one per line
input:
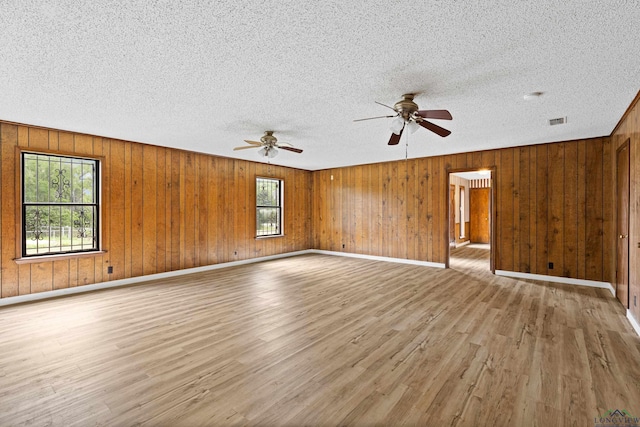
point(268, 138)
point(406, 107)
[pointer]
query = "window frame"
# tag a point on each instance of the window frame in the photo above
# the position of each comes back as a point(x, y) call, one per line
point(280, 208)
point(21, 236)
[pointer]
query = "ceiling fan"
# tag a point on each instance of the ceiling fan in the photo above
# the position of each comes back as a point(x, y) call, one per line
point(408, 115)
point(269, 144)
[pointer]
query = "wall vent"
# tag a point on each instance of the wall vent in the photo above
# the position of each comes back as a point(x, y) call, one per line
point(558, 121)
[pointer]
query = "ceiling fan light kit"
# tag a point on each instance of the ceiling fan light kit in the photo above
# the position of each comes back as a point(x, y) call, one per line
point(410, 116)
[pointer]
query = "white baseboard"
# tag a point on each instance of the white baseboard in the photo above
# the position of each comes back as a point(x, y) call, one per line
point(556, 279)
point(461, 244)
point(380, 258)
point(139, 279)
point(634, 322)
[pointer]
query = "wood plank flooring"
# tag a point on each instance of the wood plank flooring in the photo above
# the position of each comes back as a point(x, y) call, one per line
point(321, 340)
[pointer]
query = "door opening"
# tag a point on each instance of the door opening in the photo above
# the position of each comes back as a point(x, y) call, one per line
point(470, 219)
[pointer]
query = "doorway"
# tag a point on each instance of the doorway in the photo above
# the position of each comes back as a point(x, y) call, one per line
point(470, 219)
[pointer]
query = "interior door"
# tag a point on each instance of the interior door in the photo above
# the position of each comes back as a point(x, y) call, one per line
point(479, 215)
point(622, 224)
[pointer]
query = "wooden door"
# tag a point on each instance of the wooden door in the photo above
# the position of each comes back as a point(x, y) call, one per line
point(622, 221)
point(479, 215)
point(452, 215)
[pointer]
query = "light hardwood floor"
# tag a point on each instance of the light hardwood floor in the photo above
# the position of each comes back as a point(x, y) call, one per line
point(322, 340)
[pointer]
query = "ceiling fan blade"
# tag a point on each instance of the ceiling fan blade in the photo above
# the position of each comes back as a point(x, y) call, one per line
point(295, 150)
point(371, 118)
point(395, 139)
point(244, 147)
point(384, 105)
point(435, 114)
point(434, 128)
point(256, 143)
point(281, 144)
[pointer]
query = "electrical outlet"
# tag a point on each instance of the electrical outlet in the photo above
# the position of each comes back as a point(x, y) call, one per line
point(110, 269)
point(550, 266)
point(343, 246)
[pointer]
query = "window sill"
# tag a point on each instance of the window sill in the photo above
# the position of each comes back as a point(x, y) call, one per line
point(57, 257)
point(271, 236)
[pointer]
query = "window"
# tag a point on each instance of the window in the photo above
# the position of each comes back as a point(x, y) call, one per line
point(59, 204)
point(268, 207)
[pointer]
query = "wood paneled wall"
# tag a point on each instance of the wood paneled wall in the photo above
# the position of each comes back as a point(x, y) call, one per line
point(163, 210)
point(629, 128)
point(553, 204)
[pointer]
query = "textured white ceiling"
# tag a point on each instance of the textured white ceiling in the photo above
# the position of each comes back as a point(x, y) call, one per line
point(203, 75)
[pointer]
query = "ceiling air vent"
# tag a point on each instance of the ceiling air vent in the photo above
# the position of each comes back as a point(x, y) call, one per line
point(558, 121)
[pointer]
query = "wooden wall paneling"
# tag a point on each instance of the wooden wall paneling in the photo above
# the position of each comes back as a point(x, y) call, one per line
point(237, 197)
point(367, 220)
point(137, 210)
point(477, 161)
point(54, 140)
point(358, 216)
point(148, 191)
point(344, 219)
point(353, 218)
point(116, 209)
point(189, 207)
point(581, 206)
point(212, 210)
point(217, 210)
point(250, 203)
point(60, 274)
point(86, 271)
point(413, 180)
point(38, 139)
point(336, 185)
point(608, 214)
point(440, 188)
point(555, 213)
point(41, 277)
point(422, 220)
point(319, 209)
point(524, 187)
point(385, 223)
point(127, 209)
point(542, 195)
point(394, 200)
point(292, 204)
point(594, 211)
point(82, 144)
point(99, 269)
point(376, 209)
point(8, 268)
point(430, 208)
point(168, 186)
point(515, 218)
point(570, 215)
point(24, 270)
point(161, 210)
point(230, 210)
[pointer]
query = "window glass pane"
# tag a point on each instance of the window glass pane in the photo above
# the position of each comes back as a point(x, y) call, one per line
point(60, 211)
point(268, 221)
point(268, 207)
point(268, 192)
